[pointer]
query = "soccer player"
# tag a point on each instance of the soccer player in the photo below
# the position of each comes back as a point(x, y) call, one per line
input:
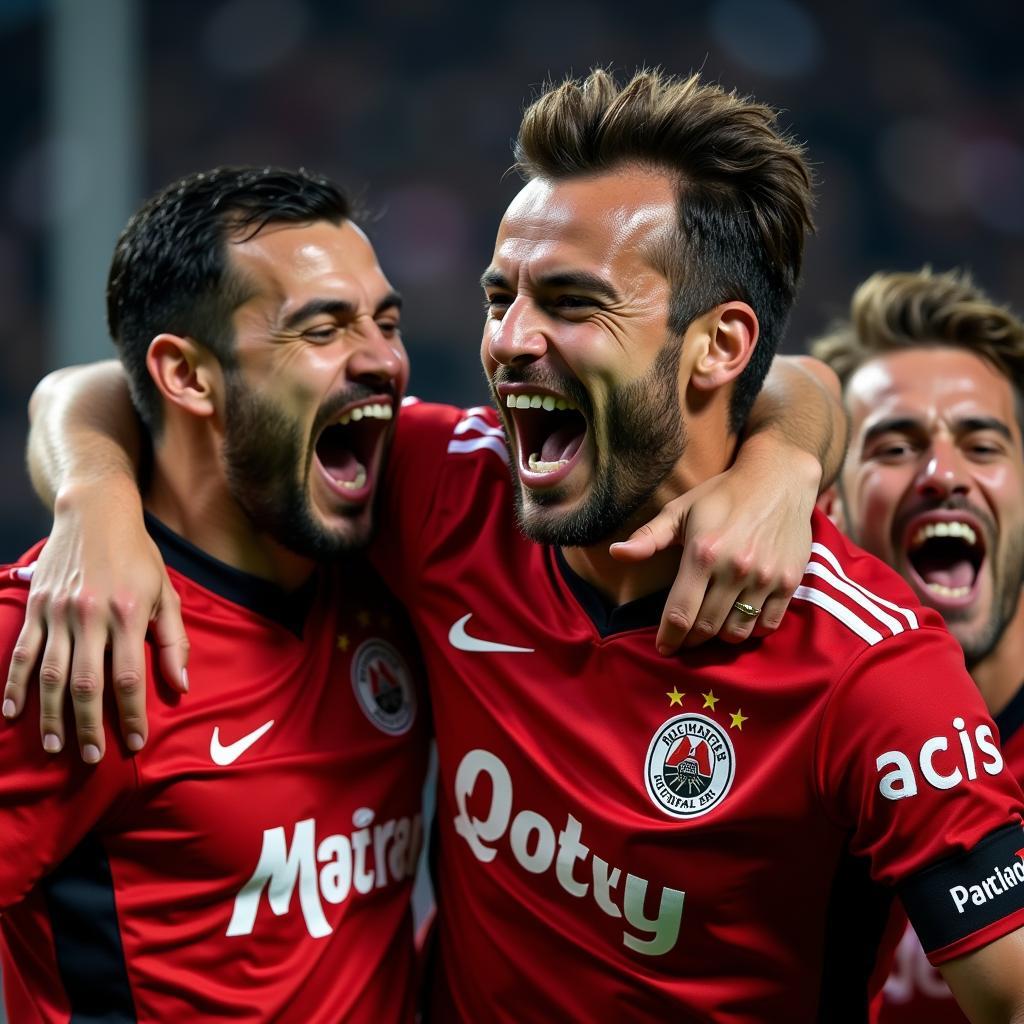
point(932, 373)
point(254, 861)
point(715, 836)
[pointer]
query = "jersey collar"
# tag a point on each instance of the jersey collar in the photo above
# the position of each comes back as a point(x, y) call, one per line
point(287, 608)
point(608, 619)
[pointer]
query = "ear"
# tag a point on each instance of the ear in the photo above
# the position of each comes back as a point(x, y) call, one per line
point(829, 503)
point(186, 374)
point(730, 334)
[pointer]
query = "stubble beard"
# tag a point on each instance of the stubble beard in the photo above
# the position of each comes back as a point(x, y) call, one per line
point(268, 463)
point(643, 441)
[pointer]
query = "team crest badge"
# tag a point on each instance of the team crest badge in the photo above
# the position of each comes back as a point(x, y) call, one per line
point(383, 686)
point(690, 766)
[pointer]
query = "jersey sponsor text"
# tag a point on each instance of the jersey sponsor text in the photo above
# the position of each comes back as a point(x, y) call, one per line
point(901, 782)
point(532, 840)
point(367, 859)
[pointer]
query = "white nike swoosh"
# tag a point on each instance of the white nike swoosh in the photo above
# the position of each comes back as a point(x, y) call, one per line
point(233, 751)
point(462, 641)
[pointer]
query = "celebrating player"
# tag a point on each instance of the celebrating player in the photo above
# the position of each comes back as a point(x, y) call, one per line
point(713, 836)
point(933, 484)
point(254, 324)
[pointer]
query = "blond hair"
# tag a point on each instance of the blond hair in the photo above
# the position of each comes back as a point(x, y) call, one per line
point(890, 312)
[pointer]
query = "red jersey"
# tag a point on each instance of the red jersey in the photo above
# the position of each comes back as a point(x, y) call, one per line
point(712, 836)
point(254, 861)
point(915, 992)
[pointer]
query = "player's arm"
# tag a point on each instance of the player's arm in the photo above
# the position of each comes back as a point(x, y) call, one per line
point(746, 533)
point(100, 581)
point(989, 983)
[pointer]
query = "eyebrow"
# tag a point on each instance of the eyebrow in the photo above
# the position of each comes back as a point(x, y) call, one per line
point(493, 278)
point(895, 425)
point(337, 308)
point(908, 425)
point(970, 424)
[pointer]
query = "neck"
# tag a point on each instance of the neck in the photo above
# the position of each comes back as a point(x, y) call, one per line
point(1000, 674)
point(189, 495)
point(621, 582)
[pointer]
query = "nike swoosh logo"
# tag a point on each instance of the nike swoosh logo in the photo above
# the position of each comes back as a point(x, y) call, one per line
point(462, 641)
point(233, 751)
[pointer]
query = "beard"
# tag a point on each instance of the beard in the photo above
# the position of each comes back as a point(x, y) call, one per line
point(268, 467)
point(644, 438)
point(1007, 581)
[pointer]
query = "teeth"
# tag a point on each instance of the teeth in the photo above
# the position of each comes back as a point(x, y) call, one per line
point(943, 591)
point(954, 529)
point(381, 411)
point(356, 483)
point(538, 466)
point(546, 402)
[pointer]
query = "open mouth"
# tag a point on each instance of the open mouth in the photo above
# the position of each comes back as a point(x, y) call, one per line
point(946, 556)
point(550, 431)
point(348, 449)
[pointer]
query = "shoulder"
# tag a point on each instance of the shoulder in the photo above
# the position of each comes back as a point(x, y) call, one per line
point(435, 444)
point(15, 580)
point(455, 431)
point(853, 597)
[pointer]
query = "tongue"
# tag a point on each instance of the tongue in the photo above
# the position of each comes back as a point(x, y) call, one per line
point(340, 463)
point(948, 574)
point(564, 443)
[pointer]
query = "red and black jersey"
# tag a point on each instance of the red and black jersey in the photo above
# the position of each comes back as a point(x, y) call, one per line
point(915, 992)
point(254, 861)
point(714, 835)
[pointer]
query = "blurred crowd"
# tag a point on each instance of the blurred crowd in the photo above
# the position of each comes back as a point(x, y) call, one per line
point(912, 113)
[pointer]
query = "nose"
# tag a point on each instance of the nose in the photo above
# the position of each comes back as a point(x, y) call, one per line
point(945, 472)
point(519, 336)
point(377, 358)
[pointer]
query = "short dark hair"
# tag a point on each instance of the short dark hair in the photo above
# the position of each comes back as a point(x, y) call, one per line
point(744, 190)
point(170, 270)
point(892, 312)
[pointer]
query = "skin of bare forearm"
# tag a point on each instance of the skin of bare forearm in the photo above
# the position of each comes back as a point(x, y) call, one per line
point(83, 428)
point(799, 405)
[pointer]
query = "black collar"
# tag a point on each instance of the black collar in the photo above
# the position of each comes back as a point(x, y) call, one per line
point(1011, 718)
point(287, 608)
point(643, 613)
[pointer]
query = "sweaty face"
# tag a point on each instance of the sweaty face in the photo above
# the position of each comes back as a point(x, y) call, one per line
point(318, 376)
point(934, 484)
point(576, 347)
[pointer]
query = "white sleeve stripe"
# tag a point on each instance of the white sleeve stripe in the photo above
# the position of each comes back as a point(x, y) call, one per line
point(475, 423)
point(473, 444)
point(820, 549)
point(479, 410)
point(839, 611)
point(817, 569)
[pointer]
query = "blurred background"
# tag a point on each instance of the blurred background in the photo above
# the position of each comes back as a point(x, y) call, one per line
point(913, 112)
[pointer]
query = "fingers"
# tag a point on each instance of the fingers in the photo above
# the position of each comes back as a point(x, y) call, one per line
point(171, 640)
point(128, 673)
point(23, 662)
point(53, 674)
point(664, 530)
point(683, 609)
point(702, 601)
point(86, 686)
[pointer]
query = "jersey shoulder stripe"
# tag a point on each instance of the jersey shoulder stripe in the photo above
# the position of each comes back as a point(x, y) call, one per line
point(478, 430)
point(827, 585)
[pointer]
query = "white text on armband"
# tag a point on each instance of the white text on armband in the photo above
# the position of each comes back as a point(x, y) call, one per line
point(328, 871)
point(531, 838)
point(940, 766)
